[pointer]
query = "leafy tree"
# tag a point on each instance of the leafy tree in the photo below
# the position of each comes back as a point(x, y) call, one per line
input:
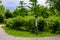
point(54, 3)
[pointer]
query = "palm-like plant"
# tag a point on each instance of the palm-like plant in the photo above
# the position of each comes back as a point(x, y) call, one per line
point(21, 5)
point(33, 6)
point(21, 8)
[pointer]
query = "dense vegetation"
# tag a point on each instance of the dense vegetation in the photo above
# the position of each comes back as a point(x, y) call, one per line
point(23, 19)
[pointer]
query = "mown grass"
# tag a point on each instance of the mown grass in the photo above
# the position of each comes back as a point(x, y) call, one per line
point(27, 34)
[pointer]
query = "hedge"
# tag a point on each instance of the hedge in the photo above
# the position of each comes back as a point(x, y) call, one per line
point(27, 23)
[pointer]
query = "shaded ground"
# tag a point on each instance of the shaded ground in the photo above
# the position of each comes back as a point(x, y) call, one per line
point(5, 36)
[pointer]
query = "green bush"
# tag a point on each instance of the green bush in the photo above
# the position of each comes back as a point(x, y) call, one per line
point(29, 23)
point(10, 23)
point(8, 15)
point(54, 24)
point(15, 23)
point(5, 21)
point(42, 24)
point(1, 18)
point(21, 22)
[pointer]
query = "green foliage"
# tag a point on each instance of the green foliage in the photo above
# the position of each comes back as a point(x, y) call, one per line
point(33, 0)
point(8, 14)
point(44, 12)
point(54, 3)
point(54, 24)
point(16, 13)
point(29, 23)
point(33, 7)
point(10, 23)
point(42, 23)
point(21, 10)
point(2, 9)
point(23, 18)
point(5, 20)
point(15, 23)
point(19, 21)
point(1, 18)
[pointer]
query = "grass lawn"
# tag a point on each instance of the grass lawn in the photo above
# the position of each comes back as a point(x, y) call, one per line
point(27, 34)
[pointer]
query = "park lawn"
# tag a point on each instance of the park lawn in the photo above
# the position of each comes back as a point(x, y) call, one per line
point(27, 34)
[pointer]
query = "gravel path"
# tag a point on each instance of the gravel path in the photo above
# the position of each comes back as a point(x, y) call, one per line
point(5, 36)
